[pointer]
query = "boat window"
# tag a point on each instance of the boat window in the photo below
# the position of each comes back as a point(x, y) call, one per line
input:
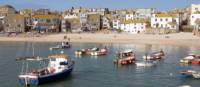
point(63, 63)
point(53, 59)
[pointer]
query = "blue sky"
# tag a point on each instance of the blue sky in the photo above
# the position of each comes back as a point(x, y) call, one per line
point(114, 4)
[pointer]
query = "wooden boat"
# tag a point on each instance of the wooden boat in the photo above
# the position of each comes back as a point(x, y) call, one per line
point(92, 51)
point(80, 52)
point(59, 66)
point(195, 61)
point(63, 45)
point(125, 57)
point(188, 59)
point(146, 63)
point(99, 52)
point(154, 56)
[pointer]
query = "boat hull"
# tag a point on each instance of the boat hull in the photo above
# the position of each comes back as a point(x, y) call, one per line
point(45, 79)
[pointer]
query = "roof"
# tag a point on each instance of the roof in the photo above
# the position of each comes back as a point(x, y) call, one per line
point(58, 56)
point(166, 15)
point(6, 6)
point(132, 21)
point(197, 12)
point(127, 51)
point(15, 16)
point(94, 17)
point(45, 16)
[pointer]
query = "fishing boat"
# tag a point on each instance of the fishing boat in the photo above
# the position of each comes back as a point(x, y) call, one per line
point(188, 59)
point(146, 63)
point(63, 45)
point(154, 56)
point(125, 57)
point(195, 61)
point(59, 66)
point(99, 52)
point(187, 73)
point(92, 51)
point(80, 52)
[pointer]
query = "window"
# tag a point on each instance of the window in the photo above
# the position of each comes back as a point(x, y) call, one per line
point(166, 19)
point(18, 25)
point(48, 20)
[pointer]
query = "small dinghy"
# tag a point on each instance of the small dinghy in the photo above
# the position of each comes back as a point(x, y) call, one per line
point(63, 45)
point(154, 56)
point(146, 63)
point(187, 73)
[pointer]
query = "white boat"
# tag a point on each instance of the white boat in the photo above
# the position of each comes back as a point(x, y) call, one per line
point(63, 45)
point(154, 55)
point(146, 63)
point(196, 75)
point(99, 52)
point(187, 59)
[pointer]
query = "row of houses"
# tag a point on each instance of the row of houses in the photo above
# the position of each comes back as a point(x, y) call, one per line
point(82, 19)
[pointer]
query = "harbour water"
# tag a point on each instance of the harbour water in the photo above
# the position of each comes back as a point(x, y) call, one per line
point(93, 71)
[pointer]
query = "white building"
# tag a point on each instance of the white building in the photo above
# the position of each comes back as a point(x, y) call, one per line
point(195, 8)
point(70, 16)
point(164, 20)
point(133, 26)
point(129, 16)
point(116, 24)
point(193, 18)
point(106, 23)
point(195, 13)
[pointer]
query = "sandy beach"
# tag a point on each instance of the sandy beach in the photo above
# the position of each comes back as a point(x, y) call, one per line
point(183, 39)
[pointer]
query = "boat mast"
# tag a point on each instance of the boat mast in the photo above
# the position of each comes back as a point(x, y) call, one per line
point(33, 50)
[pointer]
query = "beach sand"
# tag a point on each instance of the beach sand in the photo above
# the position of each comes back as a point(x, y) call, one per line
point(183, 39)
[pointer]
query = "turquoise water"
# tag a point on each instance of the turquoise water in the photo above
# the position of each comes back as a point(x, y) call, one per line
point(91, 71)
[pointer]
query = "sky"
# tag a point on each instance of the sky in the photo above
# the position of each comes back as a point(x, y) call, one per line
point(60, 5)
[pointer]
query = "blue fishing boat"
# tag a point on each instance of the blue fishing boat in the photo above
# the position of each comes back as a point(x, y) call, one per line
point(187, 73)
point(59, 66)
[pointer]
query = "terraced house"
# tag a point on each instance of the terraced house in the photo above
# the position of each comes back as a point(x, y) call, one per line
point(14, 23)
point(5, 10)
point(71, 23)
point(46, 23)
point(165, 21)
point(94, 22)
point(133, 26)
